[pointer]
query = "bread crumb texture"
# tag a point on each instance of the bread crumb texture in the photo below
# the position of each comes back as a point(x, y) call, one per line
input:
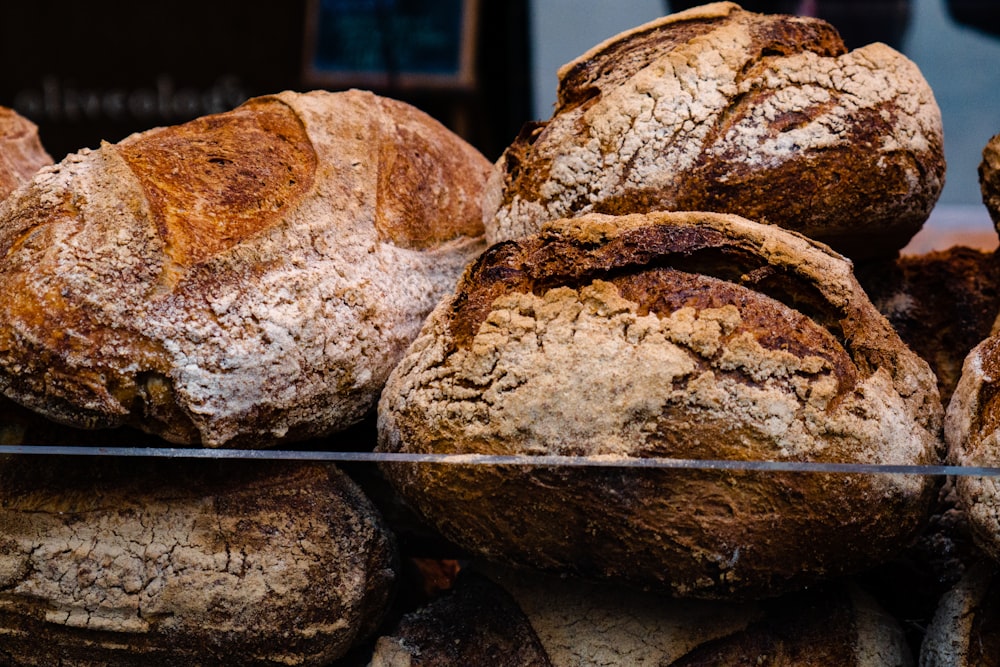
point(582, 370)
point(213, 294)
point(764, 116)
point(288, 568)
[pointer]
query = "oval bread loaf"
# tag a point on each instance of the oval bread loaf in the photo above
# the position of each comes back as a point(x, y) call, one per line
point(720, 109)
point(177, 562)
point(21, 151)
point(568, 623)
point(686, 335)
point(246, 278)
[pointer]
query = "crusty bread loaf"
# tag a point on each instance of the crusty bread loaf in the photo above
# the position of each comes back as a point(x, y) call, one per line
point(687, 335)
point(245, 278)
point(21, 151)
point(720, 109)
point(942, 304)
point(989, 178)
point(963, 632)
point(177, 562)
point(971, 432)
point(568, 623)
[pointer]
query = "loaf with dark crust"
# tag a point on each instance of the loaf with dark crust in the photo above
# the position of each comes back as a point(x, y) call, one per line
point(21, 151)
point(116, 561)
point(989, 179)
point(685, 335)
point(568, 623)
point(243, 279)
point(942, 304)
point(719, 109)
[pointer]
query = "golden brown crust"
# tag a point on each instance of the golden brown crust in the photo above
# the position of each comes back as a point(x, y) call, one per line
point(239, 279)
point(133, 562)
point(759, 346)
point(217, 181)
point(724, 110)
point(21, 151)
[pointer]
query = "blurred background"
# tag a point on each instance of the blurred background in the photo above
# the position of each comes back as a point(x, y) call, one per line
point(100, 70)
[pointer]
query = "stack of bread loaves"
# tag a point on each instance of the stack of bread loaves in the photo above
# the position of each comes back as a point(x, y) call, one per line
point(605, 322)
point(247, 278)
point(659, 271)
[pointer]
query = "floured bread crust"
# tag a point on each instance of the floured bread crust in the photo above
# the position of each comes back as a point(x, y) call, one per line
point(989, 179)
point(243, 279)
point(688, 335)
point(720, 109)
point(21, 151)
point(181, 562)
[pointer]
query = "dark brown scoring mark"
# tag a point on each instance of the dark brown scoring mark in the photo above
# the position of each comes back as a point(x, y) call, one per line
point(805, 630)
point(218, 180)
point(545, 261)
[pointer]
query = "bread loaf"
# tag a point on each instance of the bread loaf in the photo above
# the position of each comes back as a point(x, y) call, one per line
point(941, 303)
point(971, 423)
point(720, 109)
point(115, 561)
point(567, 623)
point(963, 630)
point(686, 335)
point(243, 279)
point(21, 151)
point(989, 179)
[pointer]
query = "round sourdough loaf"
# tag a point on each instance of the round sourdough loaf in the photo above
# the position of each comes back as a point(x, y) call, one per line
point(685, 335)
point(720, 109)
point(180, 562)
point(242, 279)
point(21, 151)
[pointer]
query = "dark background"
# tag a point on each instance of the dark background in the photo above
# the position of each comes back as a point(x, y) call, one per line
point(87, 72)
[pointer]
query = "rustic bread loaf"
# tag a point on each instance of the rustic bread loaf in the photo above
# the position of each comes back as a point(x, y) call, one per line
point(963, 632)
point(21, 151)
point(245, 278)
point(971, 430)
point(989, 179)
point(567, 623)
point(686, 335)
point(137, 562)
point(941, 303)
point(720, 109)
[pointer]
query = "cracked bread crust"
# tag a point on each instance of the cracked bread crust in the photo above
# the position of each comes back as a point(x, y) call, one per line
point(129, 562)
point(243, 279)
point(21, 151)
point(719, 109)
point(687, 335)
